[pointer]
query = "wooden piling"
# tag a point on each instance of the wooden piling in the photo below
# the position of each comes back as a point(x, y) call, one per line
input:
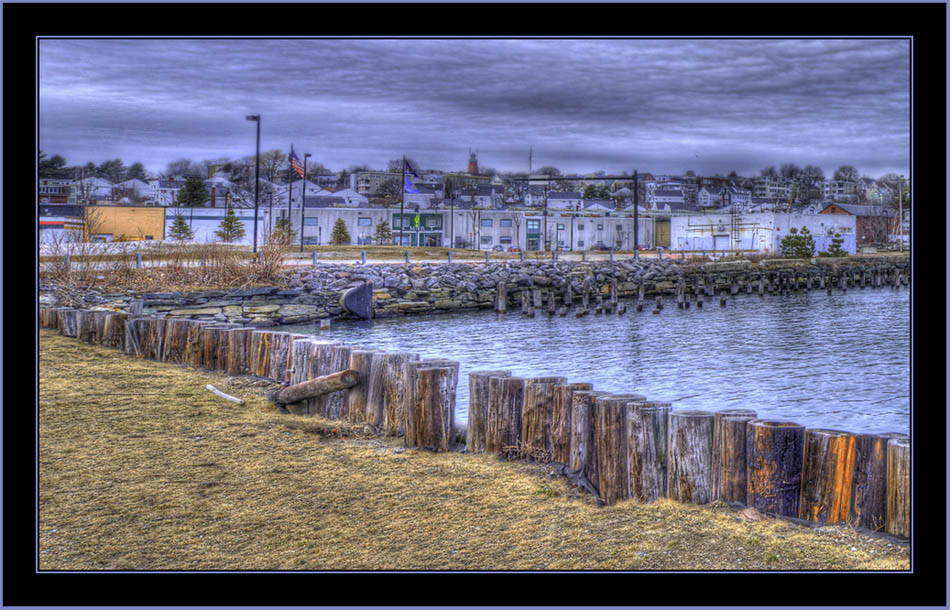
point(85, 326)
point(649, 435)
point(132, 343)
point(357, 397)
point(394, 387)
point(237, 341)
point(152, 332)
point(868, 487)
point(774, 458)
point(501, 297)
point(561, 419)
point(432, 417)
point(898, 487)
point(478, 397)
point(583, 454)
point(503, 429)
point(827, 474)
point(537, 416)
point(66, 321)
point(411, 369)
point(176, 337)
point(730, 469)
point(536, 298)
point(113, 334)
point(194, 343)
point(690, 456)
point(610, 443)
point(722, 299)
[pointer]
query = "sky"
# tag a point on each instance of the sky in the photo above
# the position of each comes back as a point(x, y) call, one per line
point(581, 105)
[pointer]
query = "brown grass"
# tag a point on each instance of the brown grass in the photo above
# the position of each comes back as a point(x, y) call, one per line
point(141, 468)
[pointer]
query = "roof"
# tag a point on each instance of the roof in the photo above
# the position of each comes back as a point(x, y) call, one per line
point(675, 206)
point(564, 195)
point(603, 203)
point(171, 184)
point(863, 210)
point(667, 193)
point(322, 201)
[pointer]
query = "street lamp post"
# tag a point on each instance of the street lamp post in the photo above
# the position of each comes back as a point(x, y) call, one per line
point(900, 204)
point(257, 172)
point(303, 197)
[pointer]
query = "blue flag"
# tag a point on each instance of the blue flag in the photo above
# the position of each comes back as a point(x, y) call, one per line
point(408, 187)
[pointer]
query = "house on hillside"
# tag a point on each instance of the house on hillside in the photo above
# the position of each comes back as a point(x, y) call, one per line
point(566, 200)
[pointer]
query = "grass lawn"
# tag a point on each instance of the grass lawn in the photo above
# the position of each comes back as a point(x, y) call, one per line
point(141, 468)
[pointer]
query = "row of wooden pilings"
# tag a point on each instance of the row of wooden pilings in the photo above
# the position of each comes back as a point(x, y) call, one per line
point(618, 446)
point(398, 393)
point(699, 286)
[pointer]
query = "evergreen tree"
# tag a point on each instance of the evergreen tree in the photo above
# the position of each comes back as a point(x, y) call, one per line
point(797, 244)
point(384, 234)
point(283, 226)
point(232, 229)
point(340, 235)
point(193, 193)
point(835, 248)
point(180, 231)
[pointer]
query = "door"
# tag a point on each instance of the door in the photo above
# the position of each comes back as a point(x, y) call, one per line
point(662, 232)
point(720, 243)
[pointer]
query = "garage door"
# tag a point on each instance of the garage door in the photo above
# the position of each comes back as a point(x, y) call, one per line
point(720, 242)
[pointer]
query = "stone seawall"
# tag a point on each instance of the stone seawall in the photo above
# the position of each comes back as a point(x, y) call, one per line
point(400, 289)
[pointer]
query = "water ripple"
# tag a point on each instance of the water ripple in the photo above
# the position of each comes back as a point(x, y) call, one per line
point(840, 361)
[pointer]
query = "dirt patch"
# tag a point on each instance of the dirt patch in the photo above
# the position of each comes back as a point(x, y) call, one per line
point(141, 468)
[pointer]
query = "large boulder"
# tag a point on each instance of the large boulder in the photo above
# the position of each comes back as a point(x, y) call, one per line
point(359, 300)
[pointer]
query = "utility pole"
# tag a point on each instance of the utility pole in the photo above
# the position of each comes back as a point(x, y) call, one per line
point(636, 217)
point(900, 207)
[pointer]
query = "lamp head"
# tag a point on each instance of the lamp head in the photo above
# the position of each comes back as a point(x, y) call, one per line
point(253, 117)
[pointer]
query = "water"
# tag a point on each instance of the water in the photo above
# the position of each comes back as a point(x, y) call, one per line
point(840, 361)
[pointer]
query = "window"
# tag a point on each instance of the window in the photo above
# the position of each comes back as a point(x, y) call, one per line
point(310, 222)
point(504, 240)
point(619, 228)
point(600, 227)
point(560, 227)
point(533, 225)
point(580, 243)
point(504, 222)
point(364, 221)
point(486, 222)
point(580, 227)
point(486, 240)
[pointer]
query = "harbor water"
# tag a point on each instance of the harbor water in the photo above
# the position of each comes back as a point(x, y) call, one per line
point(839, 361)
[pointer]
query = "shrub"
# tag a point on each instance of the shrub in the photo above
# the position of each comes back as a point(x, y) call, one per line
point(797, 244)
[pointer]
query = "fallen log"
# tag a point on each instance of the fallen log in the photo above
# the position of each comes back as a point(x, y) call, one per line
point(314, 387)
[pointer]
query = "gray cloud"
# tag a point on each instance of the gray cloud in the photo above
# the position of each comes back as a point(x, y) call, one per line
point(659, 105)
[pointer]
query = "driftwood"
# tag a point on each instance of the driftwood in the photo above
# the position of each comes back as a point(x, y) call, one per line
point(314, 387)
point(218, 392)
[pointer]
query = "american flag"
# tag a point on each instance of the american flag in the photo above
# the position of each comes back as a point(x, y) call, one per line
point(408, 187)
point(295, 163)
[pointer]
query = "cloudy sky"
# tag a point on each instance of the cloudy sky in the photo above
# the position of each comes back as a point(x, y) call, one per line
point(664, 106)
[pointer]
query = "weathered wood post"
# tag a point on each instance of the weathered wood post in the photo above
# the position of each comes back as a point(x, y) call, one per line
point(640, 295)
point(113, 334)
point(410, 399)
point(690, 456)
point(774, 456)
point(561, 419)
point(280, 350)
point(407, 257)
point(132, 342)
point(568, 295)
point(827, 474)
point(505, 400)
point(300, 357)
point(647, 450)
point(85, 326)
point(610, 443)
point(237, 341)
point(730, 469)
point(868, 487)
point(432, 418)
point(66, 322)
point(501, 297)
point(394, 387)
point(583, 454)
point(315, 257)
point(722, 298)
point(680, 292)
point(898, 487)
point(176, 338)
point(536, 300)
point(152, 333)
point(537, 416)
point(478, 400)
point(368, 365)
point(585, 297)
point(334, 357)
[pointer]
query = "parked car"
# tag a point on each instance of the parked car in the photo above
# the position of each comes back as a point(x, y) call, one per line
point(601, 246)
point(514, 249)
point(498, 249)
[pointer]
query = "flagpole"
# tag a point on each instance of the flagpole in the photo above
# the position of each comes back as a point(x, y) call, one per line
point(290, 184)
point(402, 198)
